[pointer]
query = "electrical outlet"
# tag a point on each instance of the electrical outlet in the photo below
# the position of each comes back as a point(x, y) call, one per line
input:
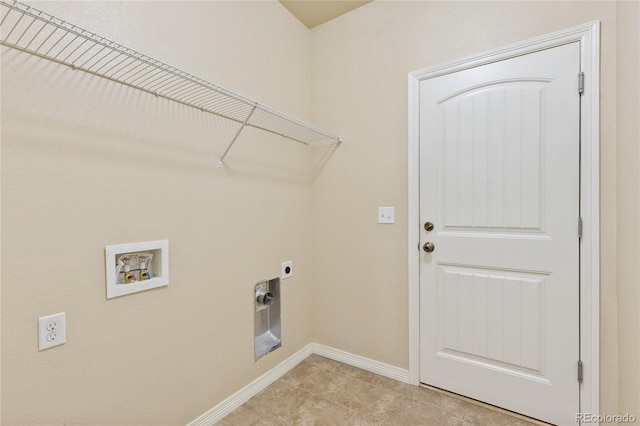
point(52, 331)
point(287, 269)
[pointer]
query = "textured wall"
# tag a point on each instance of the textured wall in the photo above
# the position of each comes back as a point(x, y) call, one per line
point(628, 211)
point(359, 85)
point(86, 163)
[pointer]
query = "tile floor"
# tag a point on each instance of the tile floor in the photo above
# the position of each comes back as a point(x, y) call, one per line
point(320, 391)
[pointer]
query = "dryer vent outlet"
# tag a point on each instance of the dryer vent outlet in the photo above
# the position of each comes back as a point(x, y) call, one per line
point(267, 330)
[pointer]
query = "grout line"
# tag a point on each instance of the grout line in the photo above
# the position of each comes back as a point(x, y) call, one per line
point(490, 407)
point(239, 398)
point(371, 383)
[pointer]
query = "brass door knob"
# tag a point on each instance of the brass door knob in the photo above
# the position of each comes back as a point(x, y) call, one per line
point(428, 247)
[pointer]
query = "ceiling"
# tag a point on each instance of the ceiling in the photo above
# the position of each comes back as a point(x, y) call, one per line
point(315, 12)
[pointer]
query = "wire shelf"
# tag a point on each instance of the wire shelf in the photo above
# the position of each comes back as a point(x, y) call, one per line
point(36, 32)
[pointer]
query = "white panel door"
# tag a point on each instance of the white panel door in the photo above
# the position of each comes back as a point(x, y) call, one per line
point(499, 179)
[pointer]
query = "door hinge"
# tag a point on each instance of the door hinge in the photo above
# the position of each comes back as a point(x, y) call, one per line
point(580, 83)
point(580, 228)
point(580, 372)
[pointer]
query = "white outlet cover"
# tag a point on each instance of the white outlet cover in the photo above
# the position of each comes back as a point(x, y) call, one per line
point(286, 273)
point(52, 331)
point(386, 215)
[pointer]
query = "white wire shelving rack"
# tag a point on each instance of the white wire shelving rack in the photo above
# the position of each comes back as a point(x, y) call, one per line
point(36, 32)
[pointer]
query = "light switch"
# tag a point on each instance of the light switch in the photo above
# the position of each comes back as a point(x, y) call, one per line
point(386, 215)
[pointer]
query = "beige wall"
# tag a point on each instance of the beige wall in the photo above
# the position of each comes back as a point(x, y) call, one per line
point(360, 64)
point(628, 209)
point(72, 143)
point(86, 163)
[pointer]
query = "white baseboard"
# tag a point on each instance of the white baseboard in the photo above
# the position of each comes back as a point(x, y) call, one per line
point(377, 367)
point(252, 389)
point(246, 393)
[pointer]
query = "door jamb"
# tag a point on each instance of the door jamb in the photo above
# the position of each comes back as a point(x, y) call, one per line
point(589, 37)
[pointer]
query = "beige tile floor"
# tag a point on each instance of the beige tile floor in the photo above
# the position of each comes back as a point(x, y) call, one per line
point(320, 391)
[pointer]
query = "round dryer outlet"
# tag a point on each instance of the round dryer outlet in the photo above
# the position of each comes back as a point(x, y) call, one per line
point(287, 269)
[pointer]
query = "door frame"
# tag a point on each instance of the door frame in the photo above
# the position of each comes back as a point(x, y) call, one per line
point(589, 37)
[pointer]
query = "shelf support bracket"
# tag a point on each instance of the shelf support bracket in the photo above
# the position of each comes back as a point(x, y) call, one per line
point(244, 123)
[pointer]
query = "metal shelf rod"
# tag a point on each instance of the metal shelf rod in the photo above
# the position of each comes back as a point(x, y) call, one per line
point(67, 44)
point(221, 161)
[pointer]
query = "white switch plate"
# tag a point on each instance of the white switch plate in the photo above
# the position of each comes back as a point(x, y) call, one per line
point(386, 215)
point(52, 331)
